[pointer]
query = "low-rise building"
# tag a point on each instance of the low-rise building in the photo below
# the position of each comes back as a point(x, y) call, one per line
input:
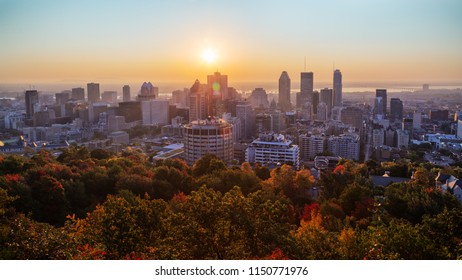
point(273, 149)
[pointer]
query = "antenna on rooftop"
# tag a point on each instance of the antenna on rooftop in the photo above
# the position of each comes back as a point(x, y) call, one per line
point(304, 69)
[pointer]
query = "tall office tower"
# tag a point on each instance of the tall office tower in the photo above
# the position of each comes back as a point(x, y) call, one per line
point(131, 110)
point(62, 97)
point(217, 88)
point(93, 92)
point(306, 89)
point(326, 97)
point(244, 112)
point(32, 98)
point(209, 136)
point(408, 126)
point(148, 92)
point(396, 109)
point(378, 137)
point(378, 108)
point(284, 92)
point(155, 112)
point(352, 116)
point(78, 93)
point(322, 114)
point(109, 96)
point(217, 84)
point(126, 93)
point(307, 111)
point(315, 97)
point(417, 120)
point(259, 98)
point(198, 102)
point(337, 88)
point(382, 93)
point(306, 82)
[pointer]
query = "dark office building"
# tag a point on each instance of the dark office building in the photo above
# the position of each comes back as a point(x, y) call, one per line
point(439, 115)
point(31, 99)
point(396, 109)
point(382, 93)
point(131, 110)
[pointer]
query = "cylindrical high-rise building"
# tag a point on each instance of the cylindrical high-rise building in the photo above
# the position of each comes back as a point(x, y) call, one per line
point(211, 136)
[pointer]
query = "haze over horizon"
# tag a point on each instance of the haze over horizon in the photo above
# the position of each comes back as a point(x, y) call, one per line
point(164, 41)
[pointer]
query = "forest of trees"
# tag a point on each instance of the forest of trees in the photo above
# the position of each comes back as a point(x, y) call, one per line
point(97, 205)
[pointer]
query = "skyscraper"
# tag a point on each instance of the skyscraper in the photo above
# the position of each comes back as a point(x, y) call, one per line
point(217, 89)
point(93, 92)
point(306, 82)
point(396, 109)
point(315, 98)
point(62, 97)
point(306, 89)
point(284, 92)
point(126, 93)
point(259, 98)
point(326, 97)
point(198, 102)
point(31, 99)
point(148, 92)
point(337, 88)
point(382, 93)
point(244, 112)
point(378, 106)
point(218, 85)
point(78, 93)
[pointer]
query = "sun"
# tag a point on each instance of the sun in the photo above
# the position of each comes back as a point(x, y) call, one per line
point(209, 55)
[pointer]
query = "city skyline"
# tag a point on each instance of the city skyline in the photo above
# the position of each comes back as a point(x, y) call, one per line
point(165, 41)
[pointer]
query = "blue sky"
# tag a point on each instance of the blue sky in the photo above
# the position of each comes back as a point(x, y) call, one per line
point(378, 40)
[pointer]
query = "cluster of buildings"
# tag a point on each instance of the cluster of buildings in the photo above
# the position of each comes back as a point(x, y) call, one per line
point(214, 118)
point(395, 128)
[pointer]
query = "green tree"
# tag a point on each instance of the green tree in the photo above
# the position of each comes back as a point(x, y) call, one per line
point(208, 164)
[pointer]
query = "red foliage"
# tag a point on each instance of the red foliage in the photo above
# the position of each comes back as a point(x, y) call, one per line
point(308, 210)
point(340, 169)
point(13, 178)
point(87, 252)
point(276, 254)
point(134, 256)
point(363, 207)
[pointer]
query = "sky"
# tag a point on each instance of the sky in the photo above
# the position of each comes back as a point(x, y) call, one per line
point(253, 40)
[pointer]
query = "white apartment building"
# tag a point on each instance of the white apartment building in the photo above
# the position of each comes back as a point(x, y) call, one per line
point(345, 146)
point(273, 149)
